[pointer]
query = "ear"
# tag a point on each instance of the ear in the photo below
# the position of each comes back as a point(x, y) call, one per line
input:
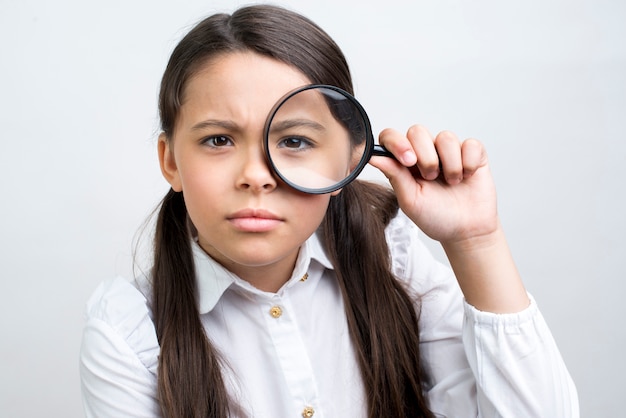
point(168, 163)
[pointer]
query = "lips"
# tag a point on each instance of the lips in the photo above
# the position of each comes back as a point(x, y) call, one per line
point(254, 220)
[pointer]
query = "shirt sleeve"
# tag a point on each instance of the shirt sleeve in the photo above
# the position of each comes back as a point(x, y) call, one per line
point(518, 368)
point(480, 364)
point(119, 352)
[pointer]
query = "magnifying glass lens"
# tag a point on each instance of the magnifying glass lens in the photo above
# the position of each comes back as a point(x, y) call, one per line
point(317, 139)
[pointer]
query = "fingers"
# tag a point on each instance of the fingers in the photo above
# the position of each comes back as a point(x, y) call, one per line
point(449, 151)
point(474, 156)
point(443, 156)
point(428, 161)
point(398, 145)
point(401, 148)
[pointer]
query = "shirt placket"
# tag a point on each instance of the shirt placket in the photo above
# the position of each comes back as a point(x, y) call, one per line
point(292, 356)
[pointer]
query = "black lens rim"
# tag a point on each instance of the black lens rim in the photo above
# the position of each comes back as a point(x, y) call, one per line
point(369, 140)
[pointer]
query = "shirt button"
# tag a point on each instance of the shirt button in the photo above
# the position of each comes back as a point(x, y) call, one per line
point(276, 311)
point(308, 412)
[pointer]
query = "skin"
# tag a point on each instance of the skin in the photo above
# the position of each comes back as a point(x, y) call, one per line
point(246, 219)
point(253, 224)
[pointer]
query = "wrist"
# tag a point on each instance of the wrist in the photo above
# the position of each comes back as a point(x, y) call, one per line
point(484, 241)
point(486, 272)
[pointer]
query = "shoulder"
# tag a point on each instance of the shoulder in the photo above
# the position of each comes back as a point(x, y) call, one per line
point(119, 353)
point(117, 302)
point(428, 280)
point(409, 255)
point(120, 310)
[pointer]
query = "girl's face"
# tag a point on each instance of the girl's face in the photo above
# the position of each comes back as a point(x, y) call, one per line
point(246, 219)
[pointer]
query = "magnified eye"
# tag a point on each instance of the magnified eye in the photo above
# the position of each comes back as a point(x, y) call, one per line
point(317, 139)
point(295, 143)
point(217, 141)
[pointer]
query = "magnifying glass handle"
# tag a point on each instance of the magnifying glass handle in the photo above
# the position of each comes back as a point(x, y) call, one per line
point(381, 151)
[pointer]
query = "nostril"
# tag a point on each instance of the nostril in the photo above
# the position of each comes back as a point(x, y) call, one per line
point(254, 172)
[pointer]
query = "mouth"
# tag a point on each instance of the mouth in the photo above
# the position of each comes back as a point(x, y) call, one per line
point(254, 220)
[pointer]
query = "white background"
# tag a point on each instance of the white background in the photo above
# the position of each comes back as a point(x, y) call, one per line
point(542, 83)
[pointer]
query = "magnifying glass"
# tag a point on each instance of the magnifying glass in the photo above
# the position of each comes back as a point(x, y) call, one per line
point(318, 138)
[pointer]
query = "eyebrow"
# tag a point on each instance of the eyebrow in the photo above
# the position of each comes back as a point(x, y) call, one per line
point(279, 126)
point(215, 123)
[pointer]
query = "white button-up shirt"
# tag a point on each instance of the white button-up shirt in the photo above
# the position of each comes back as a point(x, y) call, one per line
point(289, 353)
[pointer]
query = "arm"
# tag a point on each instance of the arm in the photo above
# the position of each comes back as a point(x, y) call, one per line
point(507, 363)
point(457, 208)
point(479, 363)
point(518, 368)
point(118, 354)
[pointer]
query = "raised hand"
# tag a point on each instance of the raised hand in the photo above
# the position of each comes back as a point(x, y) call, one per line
point(445, 186)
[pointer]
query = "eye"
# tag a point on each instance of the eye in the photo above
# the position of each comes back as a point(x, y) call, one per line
point(217, 141)
point(295, 143)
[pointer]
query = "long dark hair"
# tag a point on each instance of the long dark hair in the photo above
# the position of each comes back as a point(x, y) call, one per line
point(381, 316)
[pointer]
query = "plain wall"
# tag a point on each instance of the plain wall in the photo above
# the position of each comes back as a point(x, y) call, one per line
point(541, 83)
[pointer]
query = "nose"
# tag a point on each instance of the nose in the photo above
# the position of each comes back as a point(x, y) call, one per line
point(255, 174)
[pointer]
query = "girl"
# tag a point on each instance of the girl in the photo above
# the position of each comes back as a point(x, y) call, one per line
point(267, 302)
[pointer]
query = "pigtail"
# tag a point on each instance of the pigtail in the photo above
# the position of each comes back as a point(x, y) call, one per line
point(381, 315)
point(190, 382)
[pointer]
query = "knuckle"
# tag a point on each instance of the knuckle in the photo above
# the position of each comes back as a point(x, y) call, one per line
point(447, 137)
point(417, 130)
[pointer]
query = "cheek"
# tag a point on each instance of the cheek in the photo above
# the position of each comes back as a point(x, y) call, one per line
point(200, 187)
point(311, 209)
point(200, 174)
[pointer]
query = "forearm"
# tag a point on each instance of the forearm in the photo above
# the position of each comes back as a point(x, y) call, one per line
point(487, 274)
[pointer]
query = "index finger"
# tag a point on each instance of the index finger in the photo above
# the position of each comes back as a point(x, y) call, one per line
point(399, 146)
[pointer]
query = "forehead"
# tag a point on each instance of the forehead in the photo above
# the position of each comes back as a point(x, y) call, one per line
point(242, 76)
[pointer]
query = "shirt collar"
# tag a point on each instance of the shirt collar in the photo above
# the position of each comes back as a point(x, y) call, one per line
point(213, 279)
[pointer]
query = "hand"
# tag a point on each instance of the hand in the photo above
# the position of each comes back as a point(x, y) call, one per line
point(458, 208)
point(456, 204)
